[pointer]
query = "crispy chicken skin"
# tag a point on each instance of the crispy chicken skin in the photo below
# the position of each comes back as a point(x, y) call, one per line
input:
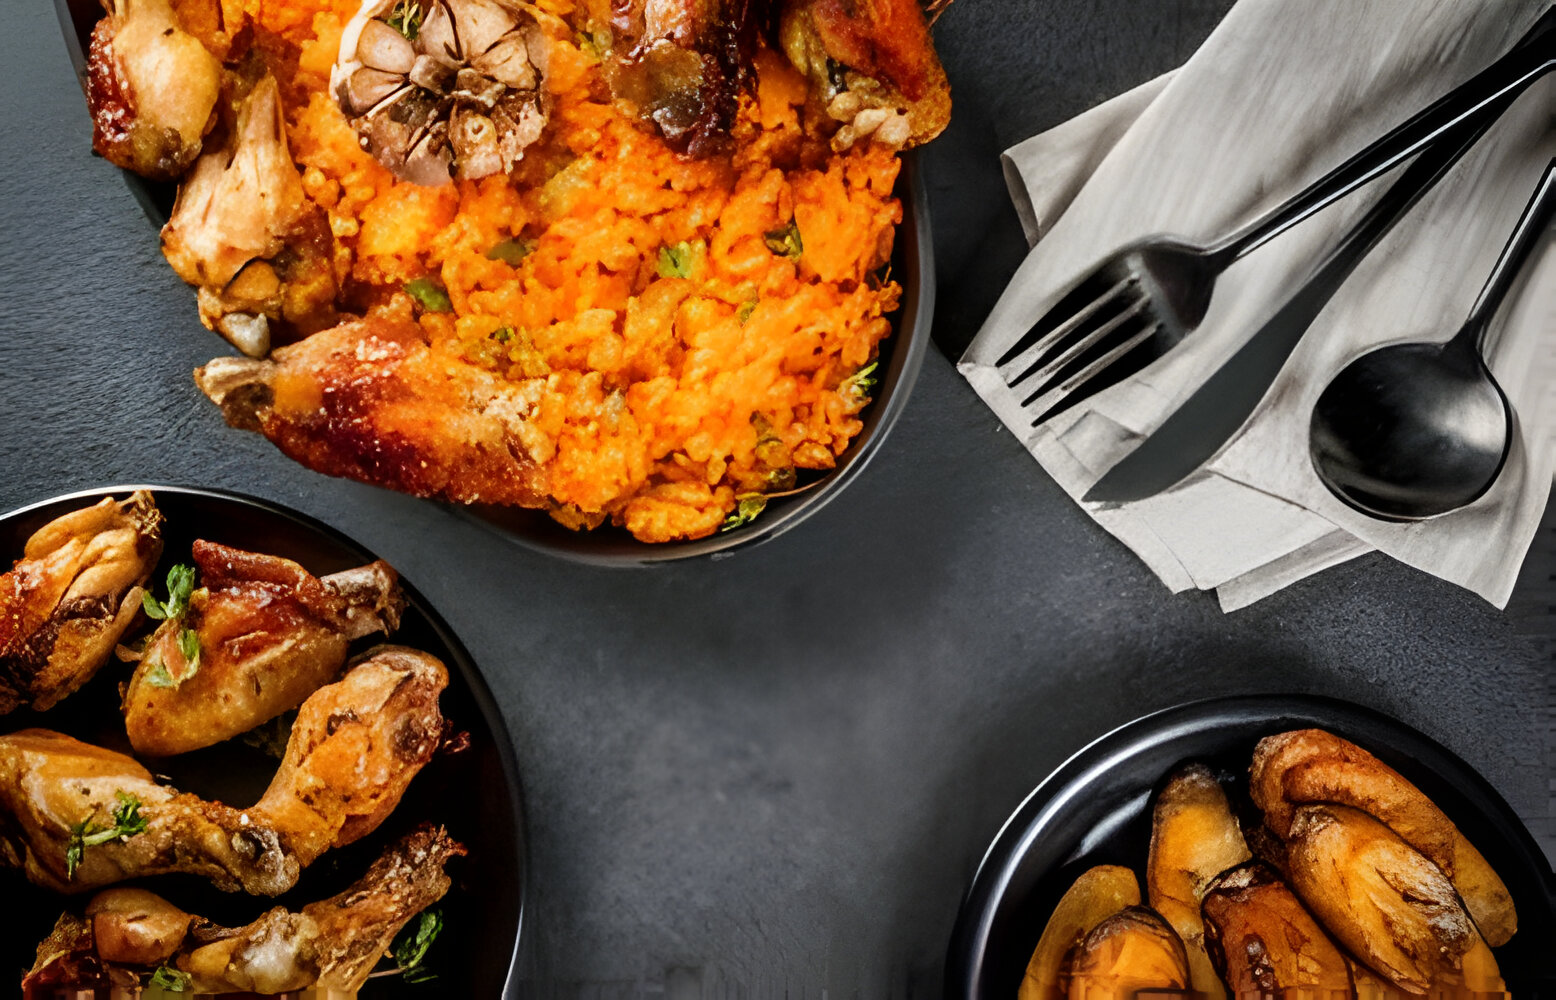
point(152, 88)
point(872, 65)
point(270, 634)
point(331, 944)
point(1194, 838)
point(1378, 896)
point(682, 65)
point(1264, 943)
point(70, 597)
point(353, 750)
point(1310, 765)
point(370, 401)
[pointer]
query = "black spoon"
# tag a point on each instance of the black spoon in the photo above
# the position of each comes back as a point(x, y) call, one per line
point(1413, 430)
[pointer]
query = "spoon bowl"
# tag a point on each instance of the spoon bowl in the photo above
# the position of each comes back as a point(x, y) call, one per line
point(1410, 431)
point(1413, 430)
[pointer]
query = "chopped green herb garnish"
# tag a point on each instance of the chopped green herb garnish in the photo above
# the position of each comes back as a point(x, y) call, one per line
point(411, 944)
point(189, 645)
point(170, 979)
point(158, 676)
point(502, 334)
point(180, 584)
point(406, 19)
point(746, 509)
point(861, 384)
point(595, 43)
point(127, 822)
point(511, 251)
point(786, 241)
point(745, 311)
point(680, 260)
point(432, 295)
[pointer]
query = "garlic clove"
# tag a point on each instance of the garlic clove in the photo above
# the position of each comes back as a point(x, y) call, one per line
point(481, 24)
point(438, 35)
point(383, 48)
point(508, 62)
point(367, 87)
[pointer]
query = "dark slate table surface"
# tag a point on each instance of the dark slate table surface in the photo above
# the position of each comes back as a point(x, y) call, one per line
point(772, 775)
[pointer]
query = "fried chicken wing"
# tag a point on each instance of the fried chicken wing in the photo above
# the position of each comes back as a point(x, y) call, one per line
point(152, 88)
point(267, 634)
point(244, 233)
point(333, 944)
point(872, 65)
point(1263, 943)
point(681, 64)
point(76, 817)
point(74, 592)
point(1311, 765)
point(369, 400)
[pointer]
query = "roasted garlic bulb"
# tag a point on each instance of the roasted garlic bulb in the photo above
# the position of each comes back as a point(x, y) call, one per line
point(443, 88)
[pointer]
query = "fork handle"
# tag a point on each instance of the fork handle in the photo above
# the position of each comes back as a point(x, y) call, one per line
point(1534, 54)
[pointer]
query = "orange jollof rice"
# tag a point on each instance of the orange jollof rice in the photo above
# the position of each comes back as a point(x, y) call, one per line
point(663, 398)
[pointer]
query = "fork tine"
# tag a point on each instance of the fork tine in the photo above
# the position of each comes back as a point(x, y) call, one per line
point(1048, 340)
point(1055, 368)
point(1112, 368)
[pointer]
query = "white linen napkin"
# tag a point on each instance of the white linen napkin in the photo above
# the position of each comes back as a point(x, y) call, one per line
point(1279, 94)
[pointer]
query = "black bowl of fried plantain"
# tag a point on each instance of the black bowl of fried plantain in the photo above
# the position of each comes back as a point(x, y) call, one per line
point(1096, 809)
point(474, 793)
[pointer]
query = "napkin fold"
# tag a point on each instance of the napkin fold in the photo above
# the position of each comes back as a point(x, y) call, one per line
point(1279, 94)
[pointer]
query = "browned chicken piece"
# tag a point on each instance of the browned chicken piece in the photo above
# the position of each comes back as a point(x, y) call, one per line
point(872, 65)
point(1132, 950)
point(1311, 765)
point(152, 89)
point(265, 634)
point(74, 592)
point(243, 232)
point(681, 64)
point(370, 401)
point(1097, 894)
point(1194, 838)
point(75, 817)
point(332, 944)
point(445, 88)
point(1378, 896)
point(1264, 943)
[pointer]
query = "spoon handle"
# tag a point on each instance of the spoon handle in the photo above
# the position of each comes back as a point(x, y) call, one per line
point(1534, 54)
point(1526, 234)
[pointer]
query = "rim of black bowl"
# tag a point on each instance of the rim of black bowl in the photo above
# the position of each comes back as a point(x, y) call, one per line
point(475, 682)
point(901, 354)
point(966, 965)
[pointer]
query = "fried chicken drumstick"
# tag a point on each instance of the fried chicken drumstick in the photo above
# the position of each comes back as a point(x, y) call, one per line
point(76, 817)
point(266, 635)
point(334, 943)
point(75, 591)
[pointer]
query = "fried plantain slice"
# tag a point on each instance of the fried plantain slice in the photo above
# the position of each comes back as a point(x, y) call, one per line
point(1096, 895)
point(1133, 950)
point(1378, 896)
point(1264, 943)
point(1310, 765)
point(1194, 838)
